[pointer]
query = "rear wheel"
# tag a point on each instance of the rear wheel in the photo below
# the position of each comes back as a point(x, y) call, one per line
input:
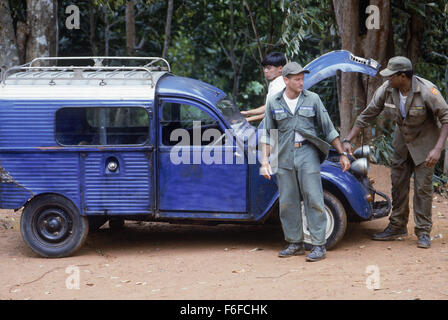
point(53, 227)
point(336, 222)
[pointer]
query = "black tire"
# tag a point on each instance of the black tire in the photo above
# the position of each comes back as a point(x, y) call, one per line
point(339, 221)
point(53, 227)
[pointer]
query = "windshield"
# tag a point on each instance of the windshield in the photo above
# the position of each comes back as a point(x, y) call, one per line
point(231, 112)
point(241, 129)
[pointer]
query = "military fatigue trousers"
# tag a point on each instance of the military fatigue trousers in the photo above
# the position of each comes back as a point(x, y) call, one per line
point(401, 172)
point(303, 182)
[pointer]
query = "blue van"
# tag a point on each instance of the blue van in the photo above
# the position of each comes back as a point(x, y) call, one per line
point(83, 145)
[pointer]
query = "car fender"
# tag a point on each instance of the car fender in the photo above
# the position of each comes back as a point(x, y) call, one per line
point(346, 185)
point(13, 195)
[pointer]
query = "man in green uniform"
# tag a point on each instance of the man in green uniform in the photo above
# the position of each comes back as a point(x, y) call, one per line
point(305, 132)
point(421, 115)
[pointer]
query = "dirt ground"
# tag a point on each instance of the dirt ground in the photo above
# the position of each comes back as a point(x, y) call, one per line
point(166, 261)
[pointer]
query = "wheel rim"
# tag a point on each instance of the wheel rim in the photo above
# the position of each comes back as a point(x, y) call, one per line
point(329, 229)
point(53, 225)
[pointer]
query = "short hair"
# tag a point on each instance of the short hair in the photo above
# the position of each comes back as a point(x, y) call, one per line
point(276, 59)
point(408, 73)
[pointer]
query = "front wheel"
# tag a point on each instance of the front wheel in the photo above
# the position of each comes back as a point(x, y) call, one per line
point(52, 226)
point(336, 222)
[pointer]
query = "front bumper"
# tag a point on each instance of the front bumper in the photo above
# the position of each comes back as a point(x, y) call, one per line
point(381, 209)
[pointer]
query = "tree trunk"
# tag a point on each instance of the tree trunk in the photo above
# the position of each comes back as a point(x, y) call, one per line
point(254, 28)
point(92, 29)
point(130, 27)
point(232, 51)
point(271, 29)
point(169, 17)
point(106, 32)
point(42, 22)
point(8, 48)
point(414, 35)
point(356, 89)
point(22, 33)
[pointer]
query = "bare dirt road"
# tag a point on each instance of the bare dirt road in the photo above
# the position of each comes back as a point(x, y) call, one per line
point(163, 261)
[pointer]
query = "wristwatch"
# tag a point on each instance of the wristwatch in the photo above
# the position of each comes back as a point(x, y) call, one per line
point(345, 140)
point(343, 154)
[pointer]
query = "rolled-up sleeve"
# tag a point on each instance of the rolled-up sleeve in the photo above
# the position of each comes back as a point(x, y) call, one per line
point(374, 108)
point(328, 130)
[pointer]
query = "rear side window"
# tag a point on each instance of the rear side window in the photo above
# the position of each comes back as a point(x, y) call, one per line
point(101, 126)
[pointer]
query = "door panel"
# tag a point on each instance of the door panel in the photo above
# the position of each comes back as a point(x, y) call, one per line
point(125, 191)
point(116, 155)
point(194, 176)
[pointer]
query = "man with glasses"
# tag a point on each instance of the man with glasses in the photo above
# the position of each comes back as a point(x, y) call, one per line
point(421, 116)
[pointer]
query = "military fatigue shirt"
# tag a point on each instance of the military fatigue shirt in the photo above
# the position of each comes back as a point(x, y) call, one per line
point(310, 119)
point(419, 130)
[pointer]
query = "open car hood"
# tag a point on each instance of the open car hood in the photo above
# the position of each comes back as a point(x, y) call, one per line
point(326, 66)
point(320, 68)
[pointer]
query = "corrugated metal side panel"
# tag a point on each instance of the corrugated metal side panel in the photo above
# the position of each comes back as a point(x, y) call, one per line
point(45, 172)
point(30, 123)
point(13, 196)
point(201, 187)
point(26, 123)
point(126, 193)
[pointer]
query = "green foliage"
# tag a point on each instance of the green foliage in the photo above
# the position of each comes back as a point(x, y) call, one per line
point(433, 61)
point(382, 143)
point(109, 26)
point(304, 18)
point(201, 36)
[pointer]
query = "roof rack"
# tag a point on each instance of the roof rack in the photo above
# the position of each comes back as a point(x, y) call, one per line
point(97, 71)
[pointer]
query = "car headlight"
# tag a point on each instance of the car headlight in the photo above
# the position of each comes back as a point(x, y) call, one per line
point(360, 167)
point(362, 152)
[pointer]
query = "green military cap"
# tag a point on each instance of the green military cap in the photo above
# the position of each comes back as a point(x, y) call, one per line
point(293, 68)
point(396, 64)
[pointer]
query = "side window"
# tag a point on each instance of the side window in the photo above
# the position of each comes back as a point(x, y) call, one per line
point(101, 126)
point(184, 116)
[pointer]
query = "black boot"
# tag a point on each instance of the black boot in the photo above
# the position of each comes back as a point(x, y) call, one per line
point(390, 233)
point(293, 249)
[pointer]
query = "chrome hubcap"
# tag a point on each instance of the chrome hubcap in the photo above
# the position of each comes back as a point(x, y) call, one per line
point(328, 231)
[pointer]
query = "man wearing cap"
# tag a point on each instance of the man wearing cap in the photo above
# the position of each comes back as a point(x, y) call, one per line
point(305, 133)
point(421, 116)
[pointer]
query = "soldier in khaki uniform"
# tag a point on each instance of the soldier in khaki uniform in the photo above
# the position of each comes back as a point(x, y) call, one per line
point(420, 134)
point(305, 133)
